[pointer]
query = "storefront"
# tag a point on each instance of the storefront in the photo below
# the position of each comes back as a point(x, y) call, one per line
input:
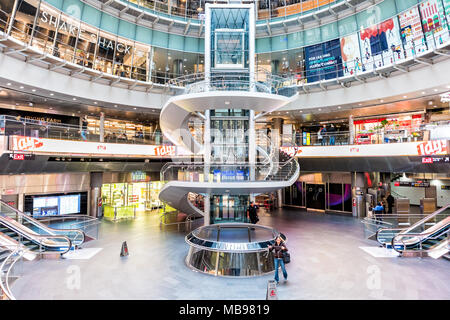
point(141, 193)
point(392, 128)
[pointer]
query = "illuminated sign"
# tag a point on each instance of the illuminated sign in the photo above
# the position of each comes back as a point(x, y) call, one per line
point(30, 144)
point(21, 156)
point(423, 148)
point(414, 184)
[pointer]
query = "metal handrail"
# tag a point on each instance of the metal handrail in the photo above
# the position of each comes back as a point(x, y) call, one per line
point(421, 236)
point(4, 284)
point(38, 224)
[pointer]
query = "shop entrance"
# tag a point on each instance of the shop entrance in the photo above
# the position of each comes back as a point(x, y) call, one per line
point(315, 196)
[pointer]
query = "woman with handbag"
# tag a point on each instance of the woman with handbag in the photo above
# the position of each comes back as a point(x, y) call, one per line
point(279, 248)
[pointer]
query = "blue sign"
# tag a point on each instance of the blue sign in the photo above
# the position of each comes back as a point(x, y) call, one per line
point(323, 61)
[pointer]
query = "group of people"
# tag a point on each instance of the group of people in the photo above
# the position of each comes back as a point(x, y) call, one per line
point(326, 136)
point(278, 249)
point(381, 206)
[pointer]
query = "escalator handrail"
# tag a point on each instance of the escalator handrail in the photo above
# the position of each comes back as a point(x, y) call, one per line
point(421, 236)
point(5, 286)
point(405, 230)
point(43, 226)
point(38, 237)
point(432, 215)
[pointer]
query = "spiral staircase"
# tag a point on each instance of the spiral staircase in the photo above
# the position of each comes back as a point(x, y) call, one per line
point(193, 95)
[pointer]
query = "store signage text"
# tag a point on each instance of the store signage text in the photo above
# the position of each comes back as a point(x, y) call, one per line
point(26, 143)
point(416, 184)
point(62, 25)
point(432, 148)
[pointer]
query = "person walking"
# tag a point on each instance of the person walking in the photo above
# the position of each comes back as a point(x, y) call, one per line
point(278, 248)
point(252, 213)
point(390, 202)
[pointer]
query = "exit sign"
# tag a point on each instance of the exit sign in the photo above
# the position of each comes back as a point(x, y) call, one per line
point(21, 156)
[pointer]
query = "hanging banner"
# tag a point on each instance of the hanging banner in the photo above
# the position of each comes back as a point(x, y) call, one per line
point(411, 32)
point(20, 143)
point(351, 55)
point(423, 148)
point(381, 45)
point(434, 23)
point(323, 61)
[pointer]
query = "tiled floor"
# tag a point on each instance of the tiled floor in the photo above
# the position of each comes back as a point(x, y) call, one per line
point(327, 263)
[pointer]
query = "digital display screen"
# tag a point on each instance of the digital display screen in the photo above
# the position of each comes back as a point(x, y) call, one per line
point(56, 205)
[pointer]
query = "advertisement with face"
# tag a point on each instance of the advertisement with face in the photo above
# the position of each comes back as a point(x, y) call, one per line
point(434, 23)
point(351, 55)
point(380, 44)
point(411, 32)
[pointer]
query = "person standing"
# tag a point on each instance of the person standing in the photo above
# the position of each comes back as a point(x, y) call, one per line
point(322, 135)
point(84, 125)
point(332, 130)
point(252, 213)
point(278, 248)
point(390, 202)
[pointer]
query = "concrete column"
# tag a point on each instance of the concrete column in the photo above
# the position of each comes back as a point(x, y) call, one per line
point(102, 127)
point(20, 202)
point(207, 208)
point(207, 144)
point(95, 193)
point(358, 194)
point(252, 145)
point(351, 128)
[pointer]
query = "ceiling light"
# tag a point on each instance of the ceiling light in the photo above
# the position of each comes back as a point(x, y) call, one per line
point(320, 109)
point(74, 99)
point(34, 90)
point(405, 97)
point(9, 83)
point(360, 104)
point(430, 103)
point(115, 106)
point(381, 100)
point(51, 94)
point(134, 108)
point(51, 108)
point(435, 90)
point(301, 110)
point(423, 92)
point(95, 102)
point(21, 87)
point(339, 107)
point(227, 102)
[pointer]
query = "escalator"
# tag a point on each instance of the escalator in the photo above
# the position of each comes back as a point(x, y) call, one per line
point(34, 235)
point(427, 237)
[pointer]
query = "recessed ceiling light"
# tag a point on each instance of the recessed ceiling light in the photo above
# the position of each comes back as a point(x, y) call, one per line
point(430, 103)
point(34, 90)
point(339, 107)
point(9, 83)
point(320, 109)
point(405, 96)
point(287, 111)
point(95, 102)
point(21, 87)
point(301, 110)
point(423, 92)
point(51, 108)
point(115, 106)
point(434, 106)
point(227, 102)
point(435, 90)
point(381, 100)
point(74, 99)
point(134, 108)
point(51, 94)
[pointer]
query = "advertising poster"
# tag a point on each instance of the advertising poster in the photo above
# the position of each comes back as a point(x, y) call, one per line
point(323, 61)
point(447, 11)
point(411, 32)
point(434, 23)
point(351, 55)
point(380, 45)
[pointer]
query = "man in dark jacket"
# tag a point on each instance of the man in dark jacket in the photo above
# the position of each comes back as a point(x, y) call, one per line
point(390, 201)
point(278, 248)
point(252, 213)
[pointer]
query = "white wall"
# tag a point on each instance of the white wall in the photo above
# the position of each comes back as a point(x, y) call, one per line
point(415, 194)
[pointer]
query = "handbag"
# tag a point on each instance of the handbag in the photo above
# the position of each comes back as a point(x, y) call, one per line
point(286, 257)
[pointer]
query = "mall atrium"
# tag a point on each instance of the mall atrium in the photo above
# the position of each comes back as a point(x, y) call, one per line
point(160, 150)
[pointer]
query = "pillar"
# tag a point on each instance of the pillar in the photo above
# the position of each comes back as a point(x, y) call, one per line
point(207, 212)
point(358, 194)
point(351, 129)
point(102, 127)
point(95, 193)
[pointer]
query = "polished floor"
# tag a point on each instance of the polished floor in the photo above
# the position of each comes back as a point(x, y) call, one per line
point(326, 263)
